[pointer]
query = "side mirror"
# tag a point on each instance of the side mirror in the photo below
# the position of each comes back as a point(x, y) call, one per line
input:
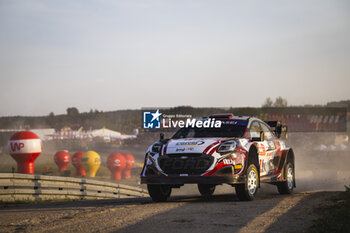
point(281, 131)
point(162, 139)
point(278, 130)
point(284, 133)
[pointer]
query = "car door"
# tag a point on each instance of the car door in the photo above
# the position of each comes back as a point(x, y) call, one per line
point(270, 161)
point(254, 132)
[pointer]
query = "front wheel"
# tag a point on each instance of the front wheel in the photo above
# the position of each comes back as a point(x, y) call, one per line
point(248, 190)
point(286, 187)
point(206, 190)
point(159, 192)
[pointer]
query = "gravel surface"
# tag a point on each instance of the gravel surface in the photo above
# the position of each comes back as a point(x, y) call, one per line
point(270, 212)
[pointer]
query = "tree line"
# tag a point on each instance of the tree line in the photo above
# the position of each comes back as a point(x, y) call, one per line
point(127, 120)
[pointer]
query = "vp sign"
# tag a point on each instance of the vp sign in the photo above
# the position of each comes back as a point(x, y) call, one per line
point(16, 146)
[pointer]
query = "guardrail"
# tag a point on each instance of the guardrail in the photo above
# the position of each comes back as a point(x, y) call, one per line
point(14, 187)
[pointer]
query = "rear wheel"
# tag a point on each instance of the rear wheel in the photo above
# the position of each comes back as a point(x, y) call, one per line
point(159, 192)
point(286, 187)
point(206, 190)
point(248, 190)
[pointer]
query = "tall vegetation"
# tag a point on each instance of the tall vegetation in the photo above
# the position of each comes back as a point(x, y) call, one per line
point(279, 102)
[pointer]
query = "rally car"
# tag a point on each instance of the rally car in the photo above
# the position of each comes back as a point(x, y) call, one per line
point(243, 152)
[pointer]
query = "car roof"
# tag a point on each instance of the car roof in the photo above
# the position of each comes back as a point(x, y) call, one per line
point(241, 118)
point(229, 117)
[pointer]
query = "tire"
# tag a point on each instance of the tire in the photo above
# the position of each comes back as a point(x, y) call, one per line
point(286, 187)
point(248, 190)
point(159, 192)
point(206, 190)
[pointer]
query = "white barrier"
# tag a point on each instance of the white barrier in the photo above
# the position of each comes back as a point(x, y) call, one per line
point(14, 187)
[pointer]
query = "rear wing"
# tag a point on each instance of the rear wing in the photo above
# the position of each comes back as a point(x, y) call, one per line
point(279, 129)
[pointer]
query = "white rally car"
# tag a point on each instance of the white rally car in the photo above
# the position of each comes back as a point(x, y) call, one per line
point(243, 152)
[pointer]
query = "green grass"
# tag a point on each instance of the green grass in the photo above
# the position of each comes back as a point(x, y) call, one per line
point(335, 217)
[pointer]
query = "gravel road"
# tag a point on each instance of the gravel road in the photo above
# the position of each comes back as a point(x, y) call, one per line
point(270, 212)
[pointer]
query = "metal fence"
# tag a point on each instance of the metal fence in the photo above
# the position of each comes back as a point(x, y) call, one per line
point(15, 187)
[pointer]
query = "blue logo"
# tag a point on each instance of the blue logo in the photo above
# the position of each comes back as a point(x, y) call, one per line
point(151, 119)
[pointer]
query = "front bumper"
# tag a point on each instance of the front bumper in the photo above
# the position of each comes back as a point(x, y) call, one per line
point(235, 179)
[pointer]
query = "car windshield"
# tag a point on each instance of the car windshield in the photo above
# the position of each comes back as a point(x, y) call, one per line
point(225, 131)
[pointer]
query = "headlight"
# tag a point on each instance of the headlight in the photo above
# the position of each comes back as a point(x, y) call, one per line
point(227, 146)
point(156, 147)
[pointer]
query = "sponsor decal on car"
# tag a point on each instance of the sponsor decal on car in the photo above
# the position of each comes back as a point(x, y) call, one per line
point(229, 161)
point(271, 145)
point(196, 143)
point(261, 149)
point(184, 149)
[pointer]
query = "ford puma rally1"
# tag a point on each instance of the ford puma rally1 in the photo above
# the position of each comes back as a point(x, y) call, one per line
point(243, 152)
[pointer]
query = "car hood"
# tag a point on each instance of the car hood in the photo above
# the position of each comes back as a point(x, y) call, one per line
point(190, 145)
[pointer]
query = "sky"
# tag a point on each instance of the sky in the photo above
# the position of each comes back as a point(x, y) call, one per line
point(111, 54)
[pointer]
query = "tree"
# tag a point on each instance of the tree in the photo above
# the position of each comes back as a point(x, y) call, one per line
point(280, 102)
point(73, 111)
point(51, 119)
point(268, 103)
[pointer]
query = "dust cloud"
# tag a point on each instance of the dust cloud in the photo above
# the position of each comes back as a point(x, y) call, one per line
point(321, 160)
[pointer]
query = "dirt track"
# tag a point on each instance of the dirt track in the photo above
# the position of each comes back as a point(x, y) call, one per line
point(271, 212)
point(186, 211)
